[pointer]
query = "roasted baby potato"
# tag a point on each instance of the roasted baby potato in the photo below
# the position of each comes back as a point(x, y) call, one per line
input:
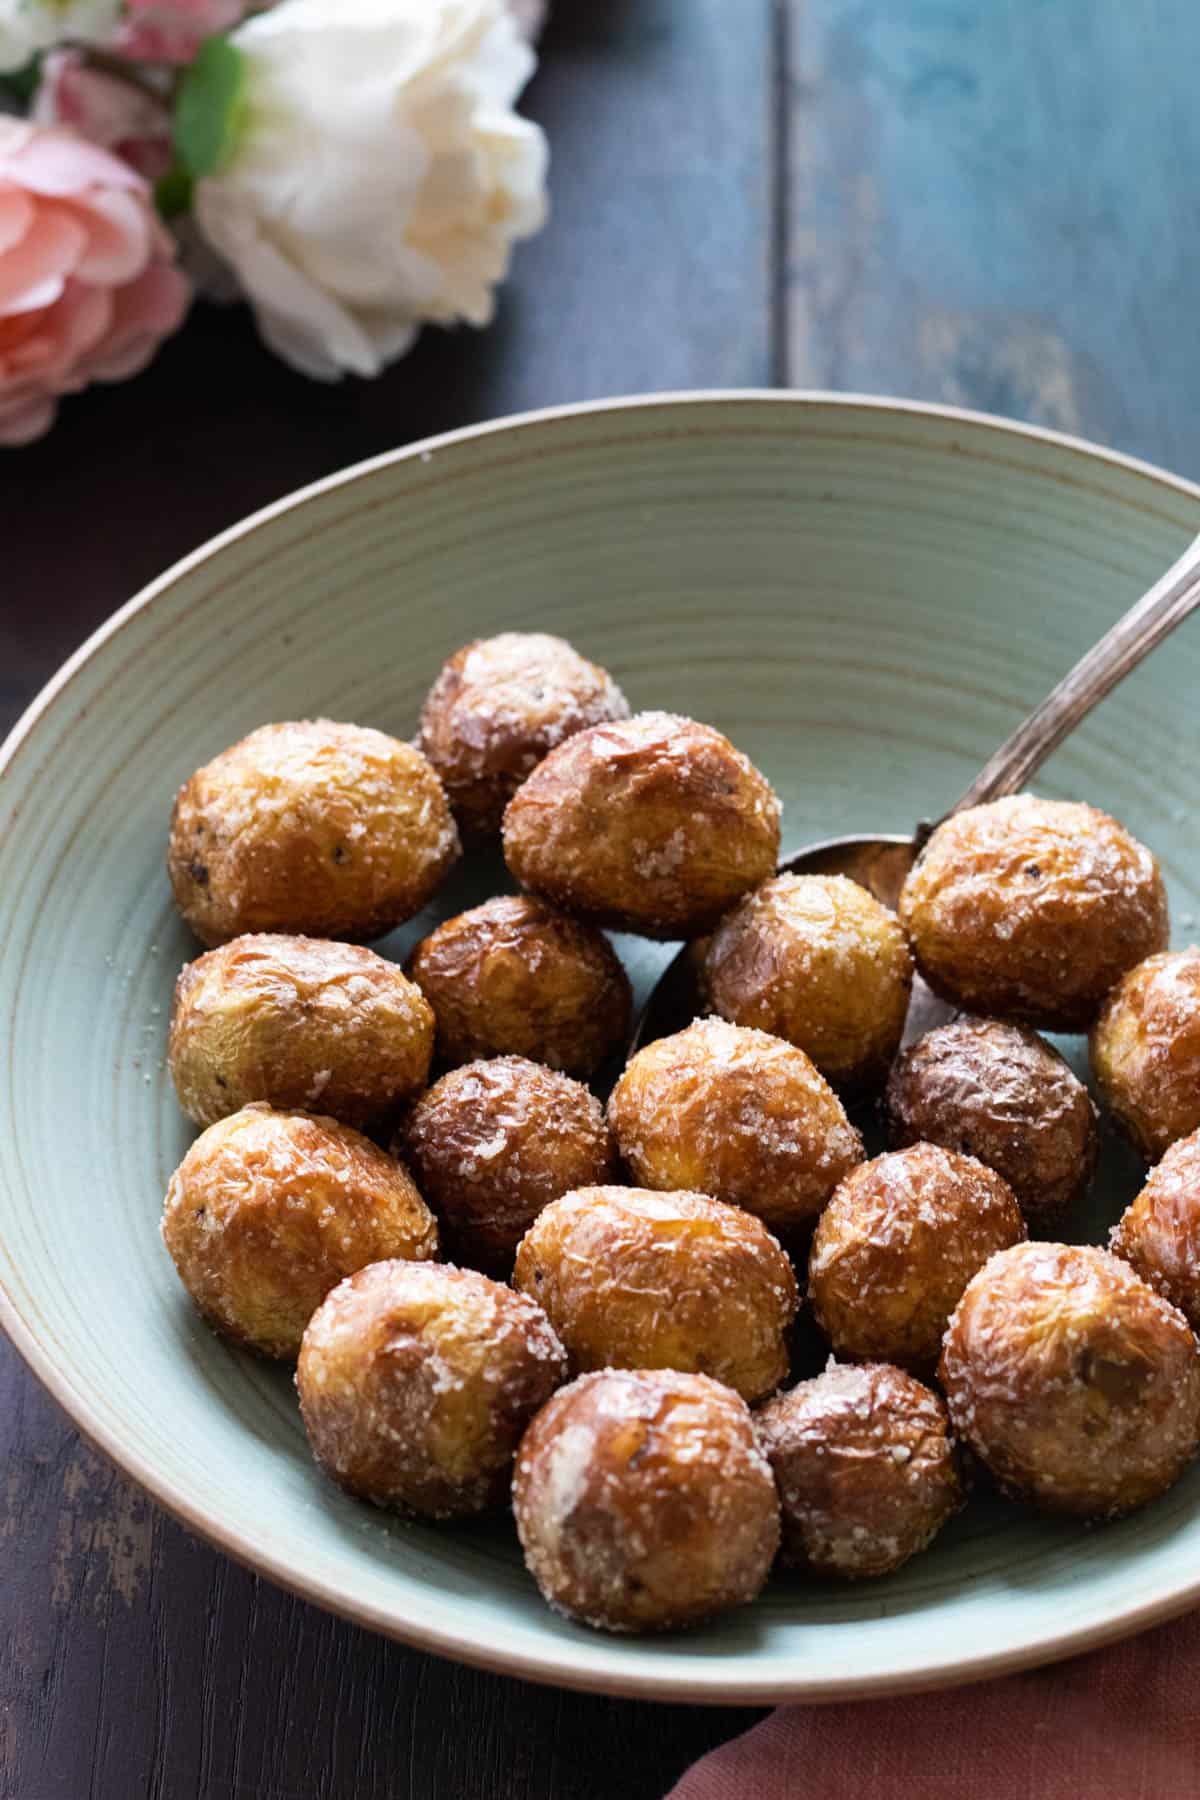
point(298, 1022)
point(497, 707)
point(416, 1382)
point(492, 1143)
point(731, 1112)
point(638, 1280)
point(269, 1210)
point(1145, 1050)
point(896, 1246)
point(817, 960)
point(313, 827)
point(1000, 1093)
point(1159, 1232)
point(653, 824)
point(643, 1502)
point(1072, 1380)
point(865, 1466)
point(1032, 909)
point(515, 977)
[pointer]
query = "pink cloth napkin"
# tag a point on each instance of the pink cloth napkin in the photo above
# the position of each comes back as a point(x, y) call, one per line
point(1118, 1724)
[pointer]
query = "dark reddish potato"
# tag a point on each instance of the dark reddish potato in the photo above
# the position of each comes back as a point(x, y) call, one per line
point(269, 1210)
point(865, 1466)
point(515, 977)
point(1159, 1232)
point(655, 824)
point(416, 1382)
point(498, 706)
point(1146, 1050)
point(1032, 909)
point(638, 1280)
point(817, 960)
point(324, 829)
point(1072, 1380)
point(726, 1111)
point(298, 1022)
point(897, 1245)
point(1000, 1093)
point(643, 1502)
point(492, 1143)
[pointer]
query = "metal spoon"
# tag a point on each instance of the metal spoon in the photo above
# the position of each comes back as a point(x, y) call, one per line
point(882, 863)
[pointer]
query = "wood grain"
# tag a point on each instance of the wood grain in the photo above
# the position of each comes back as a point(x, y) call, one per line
point(133, 1659)
point(994, 205)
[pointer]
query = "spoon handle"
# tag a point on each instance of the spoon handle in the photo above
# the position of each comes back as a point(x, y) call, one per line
point(1135, 634)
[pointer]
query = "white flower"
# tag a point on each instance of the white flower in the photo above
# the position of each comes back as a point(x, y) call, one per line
point(530, 16)
point(27, 26)
point(380, 177)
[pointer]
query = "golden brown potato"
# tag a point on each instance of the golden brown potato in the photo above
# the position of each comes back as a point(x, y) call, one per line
point(655, 824)
point(1145, 1050)
point(498, 706)
point(865, 1466)
point(817, 960)
point(1159, 1232)
point(298, 1022)
point(492, 1143)
point(1072, 1380)
point(1031, 909)
point(416, 1381)
point(1000, 1093)
point(643, 1502)
point(313, 827)
point(269, 1210)
point(638, 1280)
point(897, 1245)
point(726, 1111)
point(515, 977)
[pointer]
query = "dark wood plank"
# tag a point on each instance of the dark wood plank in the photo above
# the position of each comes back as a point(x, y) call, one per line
point(995, 205)
point(134, 1660)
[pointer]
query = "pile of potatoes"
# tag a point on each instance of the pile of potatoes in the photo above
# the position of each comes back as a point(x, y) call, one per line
point(495, 1288)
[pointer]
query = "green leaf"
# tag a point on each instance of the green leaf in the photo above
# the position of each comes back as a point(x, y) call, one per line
point(173, 193)
point(20, 85)
point(208, 112)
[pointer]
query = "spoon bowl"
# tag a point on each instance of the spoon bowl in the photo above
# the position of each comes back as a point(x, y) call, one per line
point(882, 864)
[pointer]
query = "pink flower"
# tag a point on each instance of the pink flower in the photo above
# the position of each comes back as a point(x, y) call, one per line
point(107, 110)
point(87, 285)
point(172, 31)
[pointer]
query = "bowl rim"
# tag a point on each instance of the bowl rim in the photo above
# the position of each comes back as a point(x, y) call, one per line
point(550, 1668)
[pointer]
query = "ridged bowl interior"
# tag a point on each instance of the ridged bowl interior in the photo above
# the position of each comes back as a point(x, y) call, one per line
point(866, 597)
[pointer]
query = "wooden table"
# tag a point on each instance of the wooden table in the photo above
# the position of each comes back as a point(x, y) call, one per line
point(988, 202)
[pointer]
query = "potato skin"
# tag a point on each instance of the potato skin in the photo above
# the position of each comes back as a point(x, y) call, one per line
point(817, 960)
point(655, 824)
point(269, 1210)
point(1145, 1050)
point(866, 1469)
point(416, 1381)
point(723, 1110)
point(1072, 1380)
point(638, 1280)
point(1159, 1231)
point(643, 1502)
point(298, 1022)
point(492, 1143)
point(497, 708)
point(1032, 909)
point(313, 827)
point(896, 1246)
point(1000, 1093)
point(516, 977)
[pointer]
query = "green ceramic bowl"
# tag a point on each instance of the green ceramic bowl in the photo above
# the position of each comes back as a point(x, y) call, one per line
point(865, 596)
